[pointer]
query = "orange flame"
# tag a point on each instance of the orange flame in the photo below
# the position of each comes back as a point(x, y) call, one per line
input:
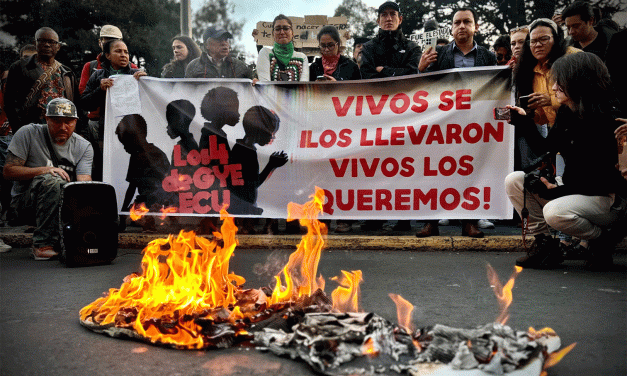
point(300, 271)
point(556, 357)
point(346, 296)
point(503, 293)
point(182, 276)
point(369, 348)
point(138, 211)
point(165, 211)
point(403, 315)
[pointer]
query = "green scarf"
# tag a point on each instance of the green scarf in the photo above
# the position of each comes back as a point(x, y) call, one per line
point(283, 52)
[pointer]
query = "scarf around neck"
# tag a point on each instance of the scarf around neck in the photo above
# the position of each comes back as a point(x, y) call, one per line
point(329, 63)
point(283, 52)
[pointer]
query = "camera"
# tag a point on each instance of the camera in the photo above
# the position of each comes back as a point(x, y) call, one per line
point(540, 168)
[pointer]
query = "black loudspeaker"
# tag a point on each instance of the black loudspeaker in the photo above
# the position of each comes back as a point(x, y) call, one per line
point(88, 223)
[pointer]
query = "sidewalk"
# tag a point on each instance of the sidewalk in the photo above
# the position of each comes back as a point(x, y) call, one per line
point(505, 237)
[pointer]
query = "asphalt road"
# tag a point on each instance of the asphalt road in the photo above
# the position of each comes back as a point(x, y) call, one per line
point(40, 332)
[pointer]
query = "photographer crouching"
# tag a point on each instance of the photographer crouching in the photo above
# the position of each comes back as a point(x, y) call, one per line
point(589, 202)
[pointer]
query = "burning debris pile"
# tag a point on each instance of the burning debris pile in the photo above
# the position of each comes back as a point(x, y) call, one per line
point(186, 297)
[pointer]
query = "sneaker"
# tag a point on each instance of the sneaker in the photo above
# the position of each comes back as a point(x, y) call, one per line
point(484, 223)
point(544, 253)
point(444, 222)
point(44, 253)
point(4, 247)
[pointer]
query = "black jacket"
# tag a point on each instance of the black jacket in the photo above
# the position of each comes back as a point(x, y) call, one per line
point(391, 50)
point(346, 69)
point(93, 96)
point(446, 58)
point(590, 154)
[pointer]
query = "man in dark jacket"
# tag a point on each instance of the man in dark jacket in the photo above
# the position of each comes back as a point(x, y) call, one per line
point(216, 62)
point(463, 51)
point(389, 53)
point(34, 81)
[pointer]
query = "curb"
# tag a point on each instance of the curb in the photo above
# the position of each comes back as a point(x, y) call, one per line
point(492, 243)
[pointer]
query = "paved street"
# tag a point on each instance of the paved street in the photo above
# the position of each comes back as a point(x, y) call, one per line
point(40, 332)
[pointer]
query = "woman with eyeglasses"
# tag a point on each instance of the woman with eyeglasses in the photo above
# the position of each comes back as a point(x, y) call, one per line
point(581, 205)
point(332, 65)
point(280, 62)
point(532, 83)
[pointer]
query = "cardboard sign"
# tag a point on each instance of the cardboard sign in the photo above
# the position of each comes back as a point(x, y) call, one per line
point(305, 32)
point(430, 38)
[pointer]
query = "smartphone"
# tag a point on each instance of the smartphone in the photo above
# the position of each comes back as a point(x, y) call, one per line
point(524, 101)
point(501, 113)
point(321, 78)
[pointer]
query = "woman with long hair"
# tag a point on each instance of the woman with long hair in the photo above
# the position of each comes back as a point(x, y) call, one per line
point(185, 50)
point(543, 46)
point(583, 133)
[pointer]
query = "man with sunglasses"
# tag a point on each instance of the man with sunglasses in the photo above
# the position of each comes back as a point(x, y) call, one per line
point(389, 53)
point(35, 81)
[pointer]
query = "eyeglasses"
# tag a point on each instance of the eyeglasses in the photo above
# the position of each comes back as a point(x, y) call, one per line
point(524, 28)
point(327, 46)
point(278, 29)
point(541, 41)
point(47, 41)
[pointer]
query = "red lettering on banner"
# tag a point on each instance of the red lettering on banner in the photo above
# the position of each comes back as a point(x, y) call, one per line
point(378, 139)
point(331, 139)
point(369, 170)
point(447, 103)
point(472, 201)
point(416, 138)
point(396, 138)
point(407, 167)
point(203, 178)
point(402, 198)
point(364, 198)
point(185, 202)
point(339, 170)
point(462, 99)
point(496, 133)
point(435, 135)
point(405, 199)
point(176, 155)
point(342, 109)
point(421, 104)
point(364, 138)
point(345, 139)
point(376, 109)
point(453, 133)
point(430, 197)
point(447, 166)
point(360, 105)
point(400, 97)
point(175, 182)
point(382, 199)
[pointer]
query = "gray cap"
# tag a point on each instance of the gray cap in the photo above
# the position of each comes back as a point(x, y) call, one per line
point(215, 33)
point(61, 107)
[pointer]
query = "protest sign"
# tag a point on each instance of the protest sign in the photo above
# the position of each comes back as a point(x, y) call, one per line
point(430, 38)
point(417, 147)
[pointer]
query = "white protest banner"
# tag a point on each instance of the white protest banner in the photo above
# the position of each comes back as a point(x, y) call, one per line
point(430, 38)
point(414, 147)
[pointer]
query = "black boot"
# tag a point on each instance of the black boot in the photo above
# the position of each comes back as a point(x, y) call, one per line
point(544, 253)
point(600, 252)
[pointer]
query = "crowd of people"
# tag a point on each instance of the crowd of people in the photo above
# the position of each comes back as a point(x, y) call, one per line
point(565, 75)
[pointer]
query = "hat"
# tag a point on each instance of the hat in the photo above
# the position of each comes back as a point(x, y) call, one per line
point(110, 31)
point(61, 107)
point(360, 40)
point(389, 4)
point(215, 33)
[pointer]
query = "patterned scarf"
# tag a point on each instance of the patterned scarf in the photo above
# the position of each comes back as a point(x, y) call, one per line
point(329, 63)
point(283, 52)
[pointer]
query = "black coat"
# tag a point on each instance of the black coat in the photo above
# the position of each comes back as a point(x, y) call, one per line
point(446, 58)
point(391, 50)
point(346, 69)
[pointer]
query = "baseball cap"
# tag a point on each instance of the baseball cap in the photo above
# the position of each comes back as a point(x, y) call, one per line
point(360, 40)
point(110, 31)
point(389, 4)
point(215, 33)
point(61, 107)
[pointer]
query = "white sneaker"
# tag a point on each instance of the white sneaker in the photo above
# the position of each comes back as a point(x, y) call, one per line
point(4, 247)
point(484, 223)
point(444, 222)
